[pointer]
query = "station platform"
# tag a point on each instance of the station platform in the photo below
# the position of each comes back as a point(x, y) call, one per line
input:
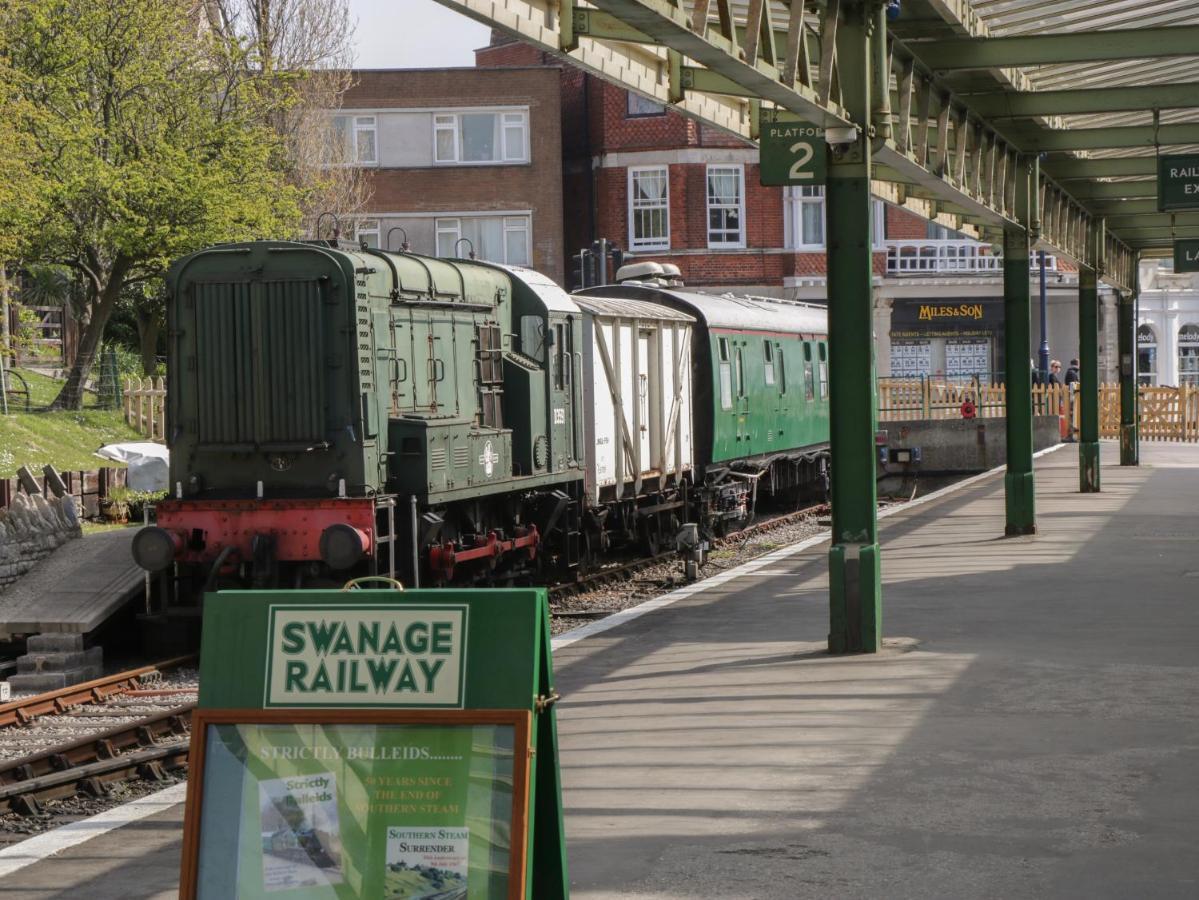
point(1029, 730)
point(76, 589)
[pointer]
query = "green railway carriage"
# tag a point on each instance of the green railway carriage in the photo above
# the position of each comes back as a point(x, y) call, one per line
point(760, 375)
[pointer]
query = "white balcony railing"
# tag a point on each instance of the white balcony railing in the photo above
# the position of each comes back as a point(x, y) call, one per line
point(949, 257)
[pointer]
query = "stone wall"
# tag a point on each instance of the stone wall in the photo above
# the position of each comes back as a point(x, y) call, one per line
point(32, 528)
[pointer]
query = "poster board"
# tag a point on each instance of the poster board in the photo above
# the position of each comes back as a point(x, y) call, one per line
point(347, 743)
point(348, 803)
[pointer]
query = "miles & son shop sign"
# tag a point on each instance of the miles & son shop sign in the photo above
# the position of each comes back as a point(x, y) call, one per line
point(375, 744)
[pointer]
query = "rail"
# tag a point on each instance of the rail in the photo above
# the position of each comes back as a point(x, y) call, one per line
point(1166, 413)
point(145, 406)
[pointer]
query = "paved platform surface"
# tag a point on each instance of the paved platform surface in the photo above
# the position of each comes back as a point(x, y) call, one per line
point(76, 588)
point(1030, 730)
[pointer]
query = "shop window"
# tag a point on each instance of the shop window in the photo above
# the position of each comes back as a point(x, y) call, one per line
point(1188, 355)
point(1146, 355)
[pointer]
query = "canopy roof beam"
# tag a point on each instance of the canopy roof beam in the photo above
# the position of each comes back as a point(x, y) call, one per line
point(1054, 49)
point(1044, 140)
point(1013, 105)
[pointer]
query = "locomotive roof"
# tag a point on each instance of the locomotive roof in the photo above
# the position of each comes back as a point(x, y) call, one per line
point(547, 290)
point(731, 311)
point(625, 308)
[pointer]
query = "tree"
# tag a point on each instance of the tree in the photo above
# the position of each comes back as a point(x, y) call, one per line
point(307, 46)
point(148, 140)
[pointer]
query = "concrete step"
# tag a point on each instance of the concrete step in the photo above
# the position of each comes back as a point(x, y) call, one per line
point(54, 642)
point(34, 663)
point(52, 681)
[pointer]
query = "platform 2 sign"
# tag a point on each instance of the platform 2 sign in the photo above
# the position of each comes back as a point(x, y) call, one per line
point(1186, 256)
point(792, 153)
point(374, 744)
point(1178, 182)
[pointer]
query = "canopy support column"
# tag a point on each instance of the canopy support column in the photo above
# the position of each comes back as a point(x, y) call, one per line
point(1017, 329)
point(855, 597)
point(1088, 377)
point(1127, 323)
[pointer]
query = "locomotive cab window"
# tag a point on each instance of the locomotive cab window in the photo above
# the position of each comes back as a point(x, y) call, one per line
point(809, 379)
point(768, 361)
point(561, 357)
point(726, 375)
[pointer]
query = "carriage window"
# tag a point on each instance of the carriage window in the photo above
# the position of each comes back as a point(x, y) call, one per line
point(726, 375)
point(740, 374)
point(823, 372)
point(768, 364)
point(782, 364)
point(560, 356)
point(809, 379)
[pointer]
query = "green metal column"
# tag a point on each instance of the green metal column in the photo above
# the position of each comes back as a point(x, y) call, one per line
point(855, 597)
point(1127, 323)
point(1088, 376)
point(1017, 329)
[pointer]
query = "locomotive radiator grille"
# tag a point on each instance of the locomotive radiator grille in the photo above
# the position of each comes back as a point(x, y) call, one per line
point(260, 362)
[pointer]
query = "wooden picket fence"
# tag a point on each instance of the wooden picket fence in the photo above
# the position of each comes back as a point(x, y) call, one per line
point(1167, 413)
point(145, 406)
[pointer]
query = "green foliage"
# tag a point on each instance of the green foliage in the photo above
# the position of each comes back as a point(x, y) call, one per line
point(67, 440)
point(146, 137)
point(135, 501)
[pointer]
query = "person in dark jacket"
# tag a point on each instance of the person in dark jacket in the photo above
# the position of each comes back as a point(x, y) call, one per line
point(1072, 372)
point(1055, 372)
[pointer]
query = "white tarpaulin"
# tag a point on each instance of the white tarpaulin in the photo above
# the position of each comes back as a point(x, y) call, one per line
point(147, 464)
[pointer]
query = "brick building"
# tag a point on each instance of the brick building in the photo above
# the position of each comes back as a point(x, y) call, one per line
point(460, 158)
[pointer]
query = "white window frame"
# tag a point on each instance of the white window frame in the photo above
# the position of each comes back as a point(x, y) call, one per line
point(450, 120)
point(452, 226)
point(738, 244)
point(360, 230)
point(1189, 373)
point(631, 98)
point(513, 224)
point(654, 243)
point(795, 199)
point(357, 123)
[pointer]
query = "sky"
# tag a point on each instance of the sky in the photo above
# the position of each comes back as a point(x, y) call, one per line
point(406, 34)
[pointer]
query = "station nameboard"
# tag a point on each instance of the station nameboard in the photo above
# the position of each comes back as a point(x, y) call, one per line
point(375, 743)
point(1178, 182)
point(1186, 256)
point(792, 153)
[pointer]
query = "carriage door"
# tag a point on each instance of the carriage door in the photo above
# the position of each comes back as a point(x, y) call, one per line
point(386, 381)
point(645, 347)
point(562, 408)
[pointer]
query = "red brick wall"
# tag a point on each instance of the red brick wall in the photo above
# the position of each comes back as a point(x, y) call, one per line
point(537, 186)
point(905, 226)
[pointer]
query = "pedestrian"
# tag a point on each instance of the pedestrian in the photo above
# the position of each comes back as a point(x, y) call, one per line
point(1055, 369)
point(1036, 373)
point(1072, 372)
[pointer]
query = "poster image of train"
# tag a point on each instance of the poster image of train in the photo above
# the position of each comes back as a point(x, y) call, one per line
point(301, 839)
point(427, 863)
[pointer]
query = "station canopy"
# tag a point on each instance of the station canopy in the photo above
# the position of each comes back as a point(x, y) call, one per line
point(1087, 92)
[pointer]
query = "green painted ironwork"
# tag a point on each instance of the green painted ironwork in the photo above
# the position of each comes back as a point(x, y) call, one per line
point(1088, 387)
point(1086, 100)
point(1103, 138)
point(855, 615)
point(1054, 49)
point(1127, 324)
point(1017, 311)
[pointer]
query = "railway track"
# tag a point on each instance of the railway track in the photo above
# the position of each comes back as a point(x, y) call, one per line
point(146, 749)
point(55, 703)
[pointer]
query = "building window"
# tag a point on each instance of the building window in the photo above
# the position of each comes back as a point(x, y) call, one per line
point(1188, 355)
point(804, 217)
point(640, 106)
point(938, 232)
point(1146, 355)
point(726, 206)
point(503, 239)
point(649, 208)
point(355, 138)
point(481, 138)
point(367, 231)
